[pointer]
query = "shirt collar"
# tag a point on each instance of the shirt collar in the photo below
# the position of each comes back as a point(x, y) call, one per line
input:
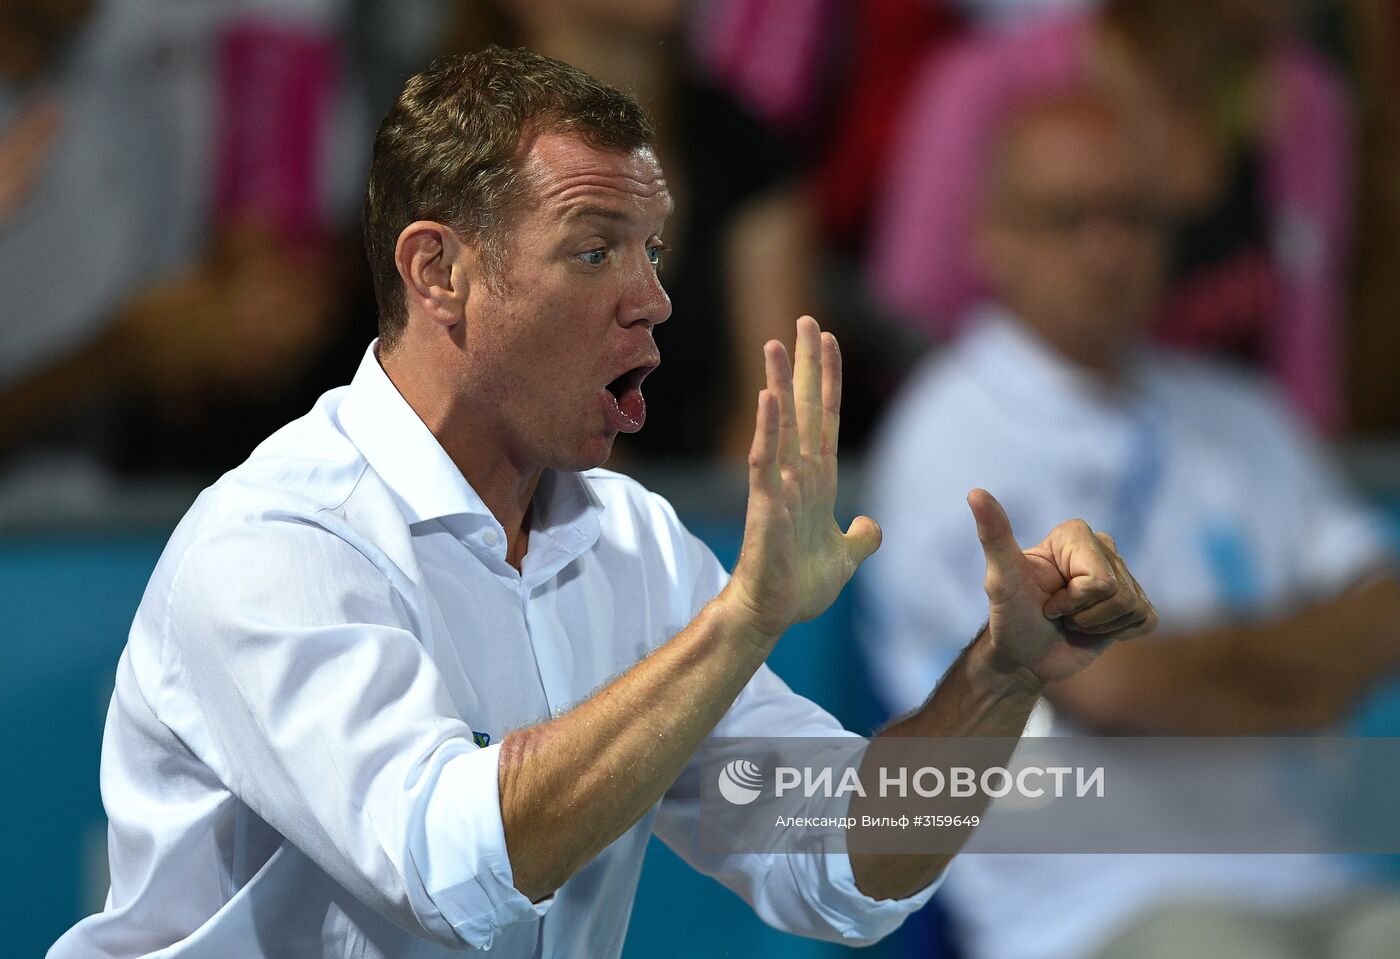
point(419, 473)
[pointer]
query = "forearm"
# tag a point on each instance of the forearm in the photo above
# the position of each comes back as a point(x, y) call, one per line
point(978, 697)
point(572, 785)
point(1298, 672)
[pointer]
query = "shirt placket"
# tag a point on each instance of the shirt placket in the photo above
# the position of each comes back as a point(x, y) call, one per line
point(544, 624)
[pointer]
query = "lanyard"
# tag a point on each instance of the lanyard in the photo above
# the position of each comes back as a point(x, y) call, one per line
point(1140, 481)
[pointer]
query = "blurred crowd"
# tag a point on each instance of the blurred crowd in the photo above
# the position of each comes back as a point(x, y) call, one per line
point(1132, 260)
point(180, 183)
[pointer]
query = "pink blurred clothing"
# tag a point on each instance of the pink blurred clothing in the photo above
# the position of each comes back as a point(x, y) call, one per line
point(921, 258)
point(768, 54)
point(277, 83)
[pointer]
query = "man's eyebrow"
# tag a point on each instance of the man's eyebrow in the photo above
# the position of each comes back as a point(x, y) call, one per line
point(588, 211)
point(612, 215)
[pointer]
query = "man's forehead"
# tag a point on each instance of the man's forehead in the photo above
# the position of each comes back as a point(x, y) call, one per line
point(1073, 143)
point(576, 178)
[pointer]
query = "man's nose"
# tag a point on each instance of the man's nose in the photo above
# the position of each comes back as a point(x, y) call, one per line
point(645, 299)
point(1109, 242)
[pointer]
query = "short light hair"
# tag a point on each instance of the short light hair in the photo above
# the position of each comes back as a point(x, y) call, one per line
point(451, 150)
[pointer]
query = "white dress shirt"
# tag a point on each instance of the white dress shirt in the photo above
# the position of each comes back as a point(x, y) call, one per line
point(296, 759)
point(1222, 508)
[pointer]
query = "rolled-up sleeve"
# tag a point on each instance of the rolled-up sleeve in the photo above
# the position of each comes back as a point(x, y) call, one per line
point(859, 918)
point(460, 851)
point(292, 664)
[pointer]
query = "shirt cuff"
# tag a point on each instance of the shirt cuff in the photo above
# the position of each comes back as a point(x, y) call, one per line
point(859, 918)
point(461, 852)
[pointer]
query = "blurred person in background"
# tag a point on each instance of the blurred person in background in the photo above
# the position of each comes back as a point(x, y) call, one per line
point(1257, 138)
point(1278, 601)
point(831, 77)
point(168, 198)
point(835, 76)
point(741, 261)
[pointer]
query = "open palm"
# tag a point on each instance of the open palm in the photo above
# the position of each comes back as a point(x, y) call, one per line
point(795, 558)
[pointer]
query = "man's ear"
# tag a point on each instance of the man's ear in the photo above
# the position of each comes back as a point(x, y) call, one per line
point(429, 257)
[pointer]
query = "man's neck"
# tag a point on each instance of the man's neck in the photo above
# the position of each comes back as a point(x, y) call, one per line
point(506, 488)
point(1105, 363)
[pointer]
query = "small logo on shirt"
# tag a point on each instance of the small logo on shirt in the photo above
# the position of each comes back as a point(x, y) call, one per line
point(482, 739)
point(740, 782)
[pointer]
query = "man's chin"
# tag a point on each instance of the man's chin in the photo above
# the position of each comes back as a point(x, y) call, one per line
point(596, 452)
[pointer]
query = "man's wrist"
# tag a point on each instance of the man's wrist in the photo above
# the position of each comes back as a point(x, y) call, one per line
point(991, 669)
point(738, 619)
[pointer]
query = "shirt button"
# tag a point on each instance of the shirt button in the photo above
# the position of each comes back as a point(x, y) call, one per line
point(490, 537)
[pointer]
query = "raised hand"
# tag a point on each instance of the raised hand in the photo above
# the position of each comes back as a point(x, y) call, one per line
point(795, 559)
point(1056, 606)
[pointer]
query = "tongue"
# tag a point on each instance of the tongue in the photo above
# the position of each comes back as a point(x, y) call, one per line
point(628, 410)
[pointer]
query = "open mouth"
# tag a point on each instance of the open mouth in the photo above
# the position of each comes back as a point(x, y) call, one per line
point(631, 380)
point(626, 407)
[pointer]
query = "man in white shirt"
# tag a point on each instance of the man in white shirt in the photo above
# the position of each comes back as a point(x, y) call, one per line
point(417, 677)
point(1273, 584)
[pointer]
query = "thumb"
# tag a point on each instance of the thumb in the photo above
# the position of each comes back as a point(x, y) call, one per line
point(1004, 557)
point(863, 538)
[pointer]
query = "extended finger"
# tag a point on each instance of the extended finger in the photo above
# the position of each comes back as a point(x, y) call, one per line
point(807, 385)
point(831, 393)
point(763, 452)
point(779, 373)
point(999, 545)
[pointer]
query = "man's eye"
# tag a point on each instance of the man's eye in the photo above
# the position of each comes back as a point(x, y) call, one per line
point(654, 255)
point(594, 257)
